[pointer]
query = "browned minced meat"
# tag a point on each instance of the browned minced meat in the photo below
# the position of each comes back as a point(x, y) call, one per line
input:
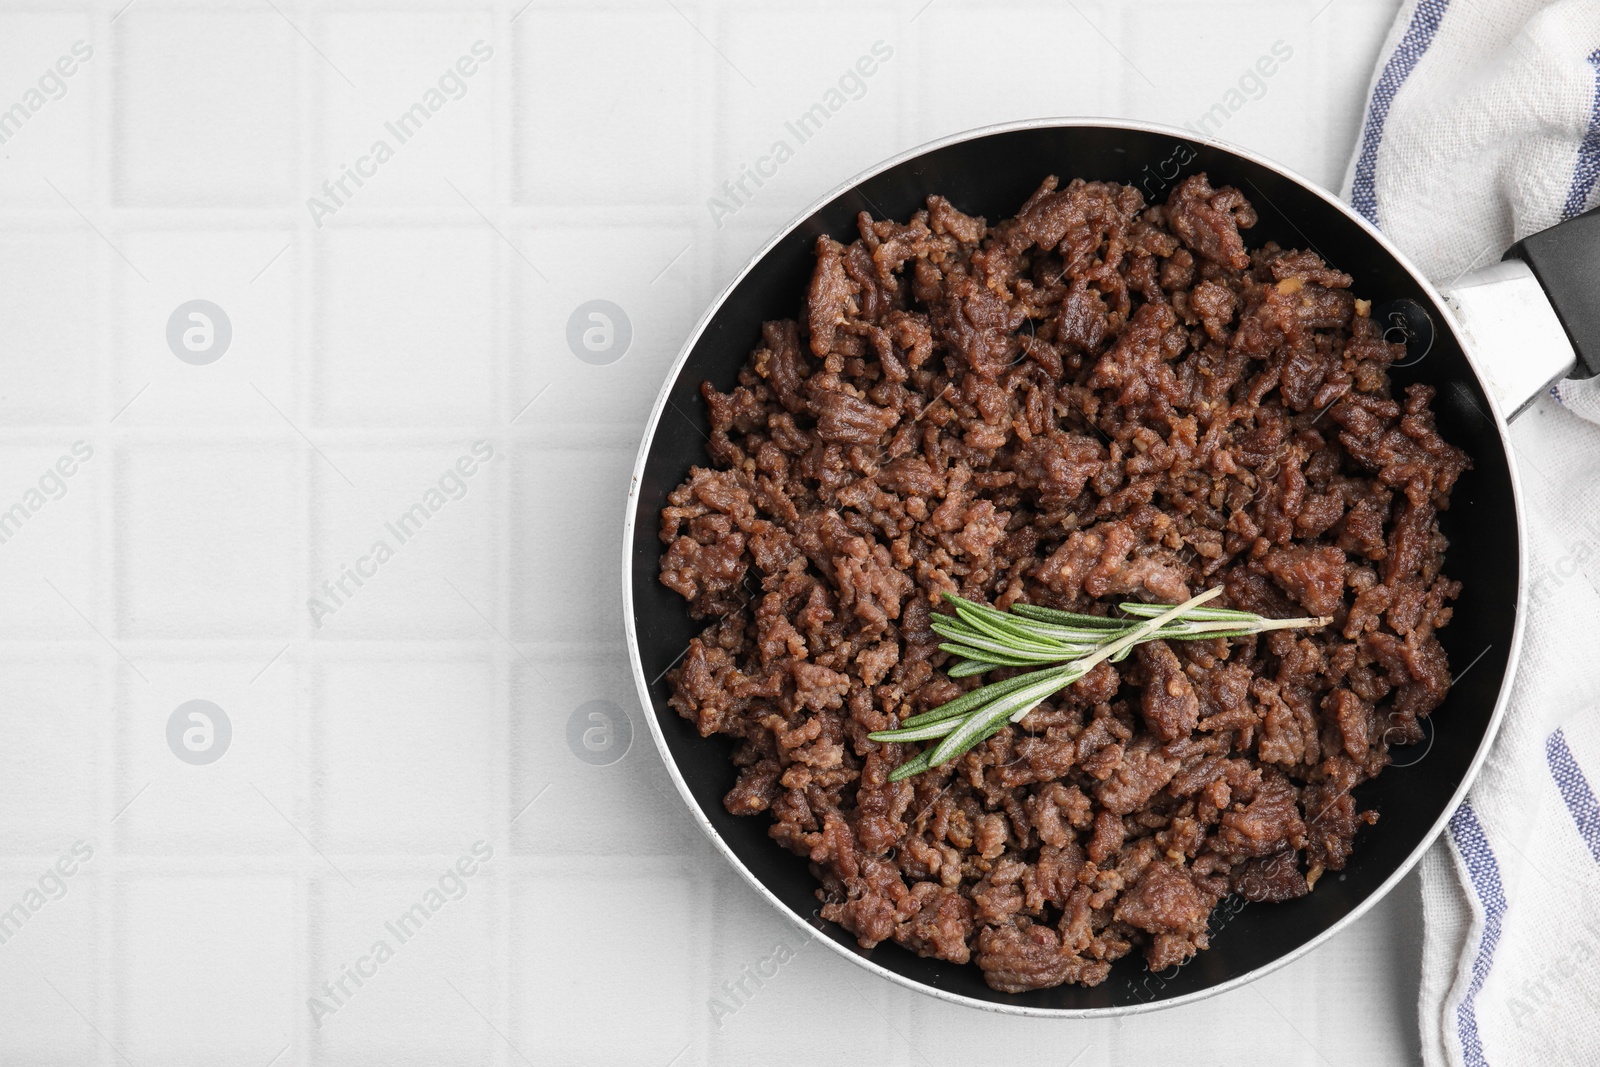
point(1093, 401)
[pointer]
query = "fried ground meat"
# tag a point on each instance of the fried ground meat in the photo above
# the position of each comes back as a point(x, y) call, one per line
point(1092, 401)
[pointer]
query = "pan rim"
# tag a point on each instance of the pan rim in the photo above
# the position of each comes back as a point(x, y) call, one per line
point(642, 687)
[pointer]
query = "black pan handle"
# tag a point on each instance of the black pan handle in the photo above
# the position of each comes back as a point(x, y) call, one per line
point(1566, 260)
point(1533, 318)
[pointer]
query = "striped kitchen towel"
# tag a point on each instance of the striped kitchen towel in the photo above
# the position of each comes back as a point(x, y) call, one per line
point(1483, 125)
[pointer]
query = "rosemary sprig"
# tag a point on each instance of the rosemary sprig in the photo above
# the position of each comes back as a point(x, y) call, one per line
point(1061, 646)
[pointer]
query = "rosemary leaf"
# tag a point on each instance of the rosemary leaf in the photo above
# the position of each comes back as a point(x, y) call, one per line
point(987, 720)
point(998, 632)
point(1066, 618)
point(1142, 610)
point(994, 655)
point(962, 704)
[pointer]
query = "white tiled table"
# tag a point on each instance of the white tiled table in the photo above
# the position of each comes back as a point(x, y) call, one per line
point(430, 710)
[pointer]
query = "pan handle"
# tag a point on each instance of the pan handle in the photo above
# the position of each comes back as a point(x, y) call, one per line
point(1534, 318)
point(1566, 260)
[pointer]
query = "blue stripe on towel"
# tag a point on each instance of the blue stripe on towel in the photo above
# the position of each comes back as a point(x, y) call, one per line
point(1418, 36)
point(1588, 168)
point(1574, 790)
point(1484, 872)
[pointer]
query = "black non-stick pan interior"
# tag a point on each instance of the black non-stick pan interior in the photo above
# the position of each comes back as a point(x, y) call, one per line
point(991, 175)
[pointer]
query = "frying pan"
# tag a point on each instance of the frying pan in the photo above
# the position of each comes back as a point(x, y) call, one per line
point(1487, 347)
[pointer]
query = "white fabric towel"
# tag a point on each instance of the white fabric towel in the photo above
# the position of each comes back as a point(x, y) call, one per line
point(1483, 125)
